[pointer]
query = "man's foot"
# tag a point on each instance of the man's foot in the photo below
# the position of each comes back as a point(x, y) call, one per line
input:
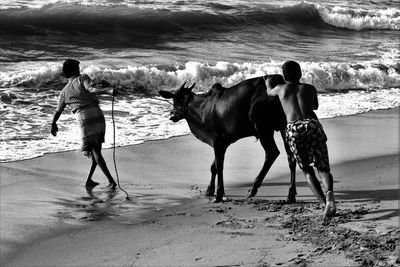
point(112, 185)
point(91, 183)
point(330, 207)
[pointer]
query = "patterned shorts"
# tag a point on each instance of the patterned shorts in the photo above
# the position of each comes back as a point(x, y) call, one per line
point(307, 141)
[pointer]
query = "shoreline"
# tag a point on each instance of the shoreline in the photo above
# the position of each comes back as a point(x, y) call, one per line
point(185, 134)
point(179, 166)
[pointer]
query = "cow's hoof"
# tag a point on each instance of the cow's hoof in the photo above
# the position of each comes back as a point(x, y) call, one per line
point(227, 199)
point(222, 199)
point(210, 191)
point(218, 200)
point(251, 193)
point(291, 199)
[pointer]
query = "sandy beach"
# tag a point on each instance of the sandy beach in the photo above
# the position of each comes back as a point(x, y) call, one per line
point(49, 219)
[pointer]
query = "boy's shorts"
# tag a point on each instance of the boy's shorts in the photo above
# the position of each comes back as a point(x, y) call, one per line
point(307, 141)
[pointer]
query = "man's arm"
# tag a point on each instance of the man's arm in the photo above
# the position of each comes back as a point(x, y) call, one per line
point(107, 91)
point(87, 83)
point(54, 127)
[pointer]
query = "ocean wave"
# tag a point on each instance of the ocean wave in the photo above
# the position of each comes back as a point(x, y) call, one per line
point(88, 19)
point(360, 19)
point(147, 80)
point(137, 24)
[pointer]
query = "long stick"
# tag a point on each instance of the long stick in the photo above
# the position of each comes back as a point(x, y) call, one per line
point(115, 164)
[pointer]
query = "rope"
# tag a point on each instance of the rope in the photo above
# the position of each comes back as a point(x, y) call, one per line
point(115, 164)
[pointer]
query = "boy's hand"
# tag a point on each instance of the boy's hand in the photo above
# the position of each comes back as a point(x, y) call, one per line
point(268, 82)
point(54, 129)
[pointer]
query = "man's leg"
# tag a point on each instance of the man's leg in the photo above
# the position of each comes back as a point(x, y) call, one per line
point(96, 151)
point(327, 180)
point(89, 181)
point(314, 184)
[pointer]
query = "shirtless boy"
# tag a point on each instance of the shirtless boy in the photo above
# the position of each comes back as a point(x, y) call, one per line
point(304, 133)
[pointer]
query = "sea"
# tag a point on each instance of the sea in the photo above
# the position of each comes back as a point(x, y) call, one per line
point(349, 50)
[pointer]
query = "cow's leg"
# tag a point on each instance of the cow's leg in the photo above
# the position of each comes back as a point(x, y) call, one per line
point(271, 153)
point(211, 187)
point(292, 166)
point(219, 151)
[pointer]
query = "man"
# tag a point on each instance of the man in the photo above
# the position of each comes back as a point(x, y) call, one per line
point(80, 94)
point(304, 133)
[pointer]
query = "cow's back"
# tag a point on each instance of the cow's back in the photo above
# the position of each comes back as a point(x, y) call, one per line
point(243, 109)
point(231, 106)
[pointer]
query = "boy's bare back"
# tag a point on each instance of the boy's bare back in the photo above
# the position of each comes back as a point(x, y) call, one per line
point(299, 100)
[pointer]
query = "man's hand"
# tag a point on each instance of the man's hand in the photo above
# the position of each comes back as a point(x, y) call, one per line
point(54, 129)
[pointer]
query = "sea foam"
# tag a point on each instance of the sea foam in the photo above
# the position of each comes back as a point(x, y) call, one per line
point(31, 94)
point(360, 19)
point(148, 80)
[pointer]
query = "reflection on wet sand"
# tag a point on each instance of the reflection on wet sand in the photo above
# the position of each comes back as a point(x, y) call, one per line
point(104, 204)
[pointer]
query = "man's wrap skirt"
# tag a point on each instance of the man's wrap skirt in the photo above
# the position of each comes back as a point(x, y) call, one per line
point(92, 127)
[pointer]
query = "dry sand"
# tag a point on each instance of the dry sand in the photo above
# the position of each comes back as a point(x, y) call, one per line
point(48, 219)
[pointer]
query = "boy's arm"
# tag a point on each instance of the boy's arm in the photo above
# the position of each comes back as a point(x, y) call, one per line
point(316, 104)
point(272, 91)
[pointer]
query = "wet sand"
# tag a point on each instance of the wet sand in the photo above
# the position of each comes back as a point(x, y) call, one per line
point(49, 219)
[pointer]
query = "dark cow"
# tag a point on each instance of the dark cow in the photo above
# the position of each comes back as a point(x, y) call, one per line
point(222, 116)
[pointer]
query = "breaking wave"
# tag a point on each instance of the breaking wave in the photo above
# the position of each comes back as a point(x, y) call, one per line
point(147, 80)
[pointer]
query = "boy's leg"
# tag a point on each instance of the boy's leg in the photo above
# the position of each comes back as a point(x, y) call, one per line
point(89, 181)
point(96, 151)
point(327, 179)
point(314, 184)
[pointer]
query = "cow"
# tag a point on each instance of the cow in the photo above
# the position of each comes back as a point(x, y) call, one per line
point(222, 116)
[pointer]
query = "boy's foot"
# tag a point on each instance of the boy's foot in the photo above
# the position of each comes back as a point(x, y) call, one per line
point(91, 183)
point(112, 185)
point(330, 207)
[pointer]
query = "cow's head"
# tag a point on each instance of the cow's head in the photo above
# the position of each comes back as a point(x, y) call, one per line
point(181, 99)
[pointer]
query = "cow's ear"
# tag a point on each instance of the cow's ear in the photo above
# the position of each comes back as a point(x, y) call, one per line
point(166, 94)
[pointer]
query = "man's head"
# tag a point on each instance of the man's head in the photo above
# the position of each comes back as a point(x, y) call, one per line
point(291, 71)
point(71, 68)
